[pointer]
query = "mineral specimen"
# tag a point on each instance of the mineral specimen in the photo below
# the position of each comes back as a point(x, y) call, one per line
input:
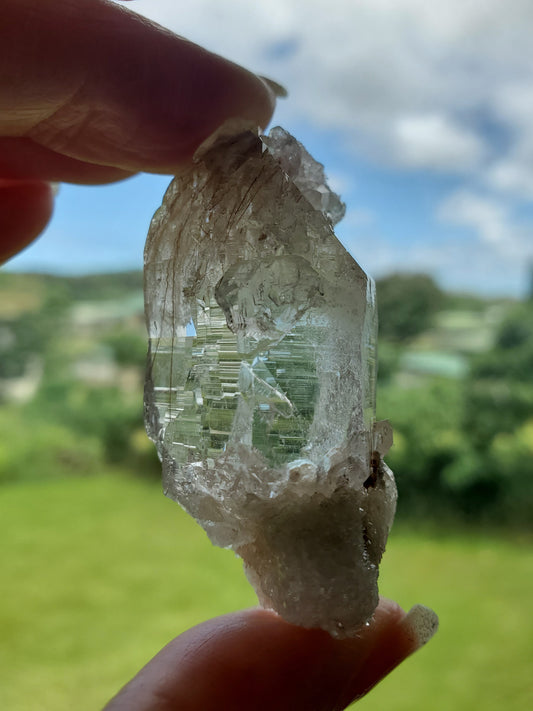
point(260, 389)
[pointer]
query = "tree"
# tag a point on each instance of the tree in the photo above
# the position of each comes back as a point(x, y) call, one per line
point(499, 390)
point(498, 424)
point(407, 304)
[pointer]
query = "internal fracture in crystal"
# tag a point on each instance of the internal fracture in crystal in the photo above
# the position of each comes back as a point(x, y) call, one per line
point(260, 388)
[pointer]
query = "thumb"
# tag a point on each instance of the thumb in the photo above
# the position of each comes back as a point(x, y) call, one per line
point(254, 659)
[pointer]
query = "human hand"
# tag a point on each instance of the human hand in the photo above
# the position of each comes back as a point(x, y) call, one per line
point(254, 660)
point(92, 93)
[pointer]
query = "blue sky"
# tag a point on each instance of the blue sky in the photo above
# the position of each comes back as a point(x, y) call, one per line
point(421, 113)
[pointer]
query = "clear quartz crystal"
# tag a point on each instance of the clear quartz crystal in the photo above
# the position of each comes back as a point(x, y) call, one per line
point(260, 387)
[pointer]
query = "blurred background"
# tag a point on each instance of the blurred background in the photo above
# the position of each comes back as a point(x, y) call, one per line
point(421, 114)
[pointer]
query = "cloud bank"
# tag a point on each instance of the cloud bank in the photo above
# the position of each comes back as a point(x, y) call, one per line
point(443, 89)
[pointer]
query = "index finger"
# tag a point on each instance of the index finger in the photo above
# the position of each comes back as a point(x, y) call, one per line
point(93, 81)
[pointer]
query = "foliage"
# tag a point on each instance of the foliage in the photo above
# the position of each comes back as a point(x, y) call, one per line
point(30, 334)
point(89, 287)
point(426, 441)
point(461, 443)
point(465, 448)
point(407, 304)
point(388, 361)
point(459, 301)
point(128, 346)
point(103, 413)
point(102, 287)
point(35, 449)
point(70, 419)
point(498, 412)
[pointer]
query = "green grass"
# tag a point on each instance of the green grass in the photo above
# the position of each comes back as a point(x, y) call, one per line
point(99, 573)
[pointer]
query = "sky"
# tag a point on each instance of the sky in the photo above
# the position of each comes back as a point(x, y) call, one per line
point(421, 112)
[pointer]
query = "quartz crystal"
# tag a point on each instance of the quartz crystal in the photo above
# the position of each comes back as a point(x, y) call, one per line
point(260, 388)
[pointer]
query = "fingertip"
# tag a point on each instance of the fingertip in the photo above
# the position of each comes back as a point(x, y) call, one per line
point(123, 92)
point(254, 659)
point(396, 636)
point(25, 210)
point(277, 89)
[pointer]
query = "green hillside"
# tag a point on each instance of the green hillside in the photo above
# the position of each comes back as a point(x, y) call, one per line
point(454, 379)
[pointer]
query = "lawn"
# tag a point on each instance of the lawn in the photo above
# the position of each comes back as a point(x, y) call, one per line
point(98, 573)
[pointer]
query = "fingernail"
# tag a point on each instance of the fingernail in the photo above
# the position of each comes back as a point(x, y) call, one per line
point(420, 623)
point(278, 90)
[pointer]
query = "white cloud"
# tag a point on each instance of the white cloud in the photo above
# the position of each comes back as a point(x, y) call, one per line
point(490, 253)
point(408, 84)
point(512, 104)
point(492, 221)
point(404, 79)
point(457, 264)
point(512, 170)
point(341, 182)
point(488, 218)
point(513, 175)
point(436, 142)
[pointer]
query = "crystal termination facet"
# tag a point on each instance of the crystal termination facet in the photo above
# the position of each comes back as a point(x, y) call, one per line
point(260, 388)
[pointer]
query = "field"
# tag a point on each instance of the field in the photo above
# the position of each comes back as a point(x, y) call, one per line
point(98, 573)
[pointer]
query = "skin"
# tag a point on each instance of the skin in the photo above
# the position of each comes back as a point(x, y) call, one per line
point(91, 93)
point(254, 660)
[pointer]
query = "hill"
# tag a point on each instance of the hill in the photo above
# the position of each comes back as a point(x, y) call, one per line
point(454, 380)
